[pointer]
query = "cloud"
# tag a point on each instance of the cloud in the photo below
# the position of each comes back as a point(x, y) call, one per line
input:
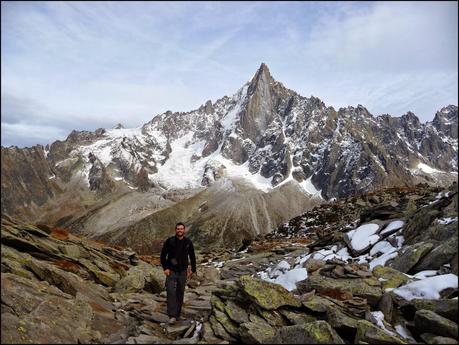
point(27, 135)
point(388, 37)
point(73, 65)
point(391, 57)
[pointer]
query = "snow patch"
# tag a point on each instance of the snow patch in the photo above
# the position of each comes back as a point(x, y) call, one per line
point(309, 188)
point(287, 279)
point(403, 332)
point(396, 224)
point(363, 236)
point(428, 288)
point(447, 220)
point(379, 317)
point(425, 168)
point(179, 171)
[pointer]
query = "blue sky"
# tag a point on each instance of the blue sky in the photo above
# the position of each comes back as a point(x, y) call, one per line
point(85, 65)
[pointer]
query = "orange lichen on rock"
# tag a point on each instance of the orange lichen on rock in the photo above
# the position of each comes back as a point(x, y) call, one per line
point(153, 260)
point(67, 265)
point(60, 234)
point(338, 294)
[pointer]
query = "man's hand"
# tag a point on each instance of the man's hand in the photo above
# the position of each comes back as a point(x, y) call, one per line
point(189, 274)
point(167, 272)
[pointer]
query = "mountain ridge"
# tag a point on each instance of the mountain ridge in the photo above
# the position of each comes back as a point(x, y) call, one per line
point(264, 135)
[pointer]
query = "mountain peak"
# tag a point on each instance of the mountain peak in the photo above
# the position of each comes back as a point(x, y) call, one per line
point(262, 74)
point(264, 68)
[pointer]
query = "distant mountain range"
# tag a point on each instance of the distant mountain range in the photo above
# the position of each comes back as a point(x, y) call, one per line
point(232, 169)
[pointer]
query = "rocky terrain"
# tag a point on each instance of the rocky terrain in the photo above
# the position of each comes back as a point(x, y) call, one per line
point(375, 268)
point(265, 137)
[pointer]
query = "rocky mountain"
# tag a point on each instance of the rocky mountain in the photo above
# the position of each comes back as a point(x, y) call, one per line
point(375, 268)
point(263, 138)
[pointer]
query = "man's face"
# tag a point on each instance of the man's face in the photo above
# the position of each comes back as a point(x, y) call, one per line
point(179, 230)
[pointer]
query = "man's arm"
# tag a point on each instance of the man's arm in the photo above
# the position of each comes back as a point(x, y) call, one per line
point(164, 256)
point(192, 258)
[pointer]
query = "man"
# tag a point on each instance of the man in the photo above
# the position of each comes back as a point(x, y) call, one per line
point(174, 260)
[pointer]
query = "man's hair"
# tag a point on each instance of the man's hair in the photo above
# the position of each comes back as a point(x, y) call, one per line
point(178, 224)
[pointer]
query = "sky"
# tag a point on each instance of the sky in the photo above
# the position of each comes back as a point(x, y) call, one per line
point(85, 65)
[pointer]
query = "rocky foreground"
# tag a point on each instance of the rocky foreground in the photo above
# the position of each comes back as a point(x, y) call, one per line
point(379, 268)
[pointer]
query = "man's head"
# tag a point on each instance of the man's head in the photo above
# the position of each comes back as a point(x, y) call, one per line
point(180, 230)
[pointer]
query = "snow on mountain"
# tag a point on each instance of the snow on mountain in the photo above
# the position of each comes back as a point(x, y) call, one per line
point(265, 135)
point(268, 135)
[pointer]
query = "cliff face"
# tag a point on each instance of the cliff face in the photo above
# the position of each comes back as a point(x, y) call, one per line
point(28, 180)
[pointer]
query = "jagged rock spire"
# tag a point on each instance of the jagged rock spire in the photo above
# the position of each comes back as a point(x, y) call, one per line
point(259, 112)
point(262, 76)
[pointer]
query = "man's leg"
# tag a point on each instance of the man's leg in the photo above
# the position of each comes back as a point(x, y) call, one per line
point(171, 288)
point(181, 283)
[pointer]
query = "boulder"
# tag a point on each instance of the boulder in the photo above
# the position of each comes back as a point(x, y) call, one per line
point(381, 211)
point(338, 319)
point(390, 277)
point(371, 334)
point(133, 282)
point(236, 312)
point(445, 307)
point(361, 239)
point(442, 232)
point(229, 325)
point(156, 279)
point(219, 330)
point(71, 250)
point(318, 304)
point(258, 319)
point(418, 224)
point(178, 328)
point(267, 295)
point(273, 317)
point(23, 241)
point(208, 334)
point(426, 321)
point(296, 318)
point(430, 338)
point(317, 332)
point(12, 262)
point(368, 288)
point(441, 254)
point(227, 289)
point(109, 278)
point(217, 303)
point(313, 265)
point(31, 308)
point(255, 333)
point(410, 256)
point(386, 305)
point(208, 274)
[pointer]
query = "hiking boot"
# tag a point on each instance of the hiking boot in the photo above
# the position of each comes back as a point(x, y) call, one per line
point(172, 320)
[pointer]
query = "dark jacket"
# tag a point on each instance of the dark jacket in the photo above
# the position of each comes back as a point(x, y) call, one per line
point(174, 255)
